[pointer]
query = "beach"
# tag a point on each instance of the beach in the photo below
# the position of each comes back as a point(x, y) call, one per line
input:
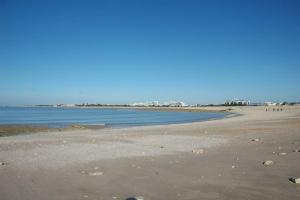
point(215, 159)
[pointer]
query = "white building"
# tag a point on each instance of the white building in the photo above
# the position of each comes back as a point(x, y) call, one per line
point(241, 102)
point(157, 104)
point(269, 103)
point(175, 104)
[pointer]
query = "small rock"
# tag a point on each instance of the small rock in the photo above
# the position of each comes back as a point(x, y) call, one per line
point(135, 198)
point(232, 166)
point(295, 180)
point(268, 163)
point(161, 147)
point(96, 173)
point(296, 150)
point(255, 140)
point(85, 196)
point(282, 153)
point(198, 151)
point(2, 163)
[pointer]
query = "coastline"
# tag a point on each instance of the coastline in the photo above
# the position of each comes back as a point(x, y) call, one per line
point(201, 160)
point(16, 129)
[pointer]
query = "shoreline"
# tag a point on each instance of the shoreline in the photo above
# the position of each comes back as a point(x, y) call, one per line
point(18, 129)
point(7, 130)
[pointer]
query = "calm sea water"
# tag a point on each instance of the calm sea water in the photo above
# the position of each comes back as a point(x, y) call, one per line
point(59, 117)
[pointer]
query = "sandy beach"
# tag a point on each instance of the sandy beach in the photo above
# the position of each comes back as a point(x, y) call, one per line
point(217, 159)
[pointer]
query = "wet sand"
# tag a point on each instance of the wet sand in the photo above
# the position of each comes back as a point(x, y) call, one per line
point(218, 159)
point(9, 130)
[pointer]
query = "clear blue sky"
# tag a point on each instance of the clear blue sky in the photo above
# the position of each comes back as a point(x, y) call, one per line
point(132, 51)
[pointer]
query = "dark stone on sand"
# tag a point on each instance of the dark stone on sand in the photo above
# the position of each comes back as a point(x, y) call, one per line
point(135, 198)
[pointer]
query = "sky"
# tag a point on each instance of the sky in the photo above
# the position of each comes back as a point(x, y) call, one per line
point(143, 50)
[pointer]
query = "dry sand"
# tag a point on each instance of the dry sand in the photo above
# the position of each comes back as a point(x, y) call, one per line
point(157, 162)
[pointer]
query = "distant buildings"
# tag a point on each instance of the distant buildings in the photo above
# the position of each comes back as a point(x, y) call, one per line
point(175, 104)
point(237, 102)
point(65, 105)
point(157, 104)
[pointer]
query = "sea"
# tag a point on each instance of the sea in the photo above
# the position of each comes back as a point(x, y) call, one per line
point(111, 117)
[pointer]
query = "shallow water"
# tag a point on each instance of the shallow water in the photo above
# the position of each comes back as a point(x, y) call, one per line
point(113, 117)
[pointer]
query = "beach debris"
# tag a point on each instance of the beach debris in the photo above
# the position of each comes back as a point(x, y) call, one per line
point(198, 151)
point(98, 173)
point(135, 198)
point(255, 140)
point(77, 126)
point(268, 163)
point(282, 154)
point(296, 150)
point(295, 180)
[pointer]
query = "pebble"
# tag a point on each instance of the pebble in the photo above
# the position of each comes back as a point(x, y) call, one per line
point(296, 150)
point(86, 196)
point(198, 151)
point(268, 163)
point(282, 153)
point(255, 140)
point(2, 163)
point(135, 198)
point(96, 173)
point(295, 180)
point(232, 166)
